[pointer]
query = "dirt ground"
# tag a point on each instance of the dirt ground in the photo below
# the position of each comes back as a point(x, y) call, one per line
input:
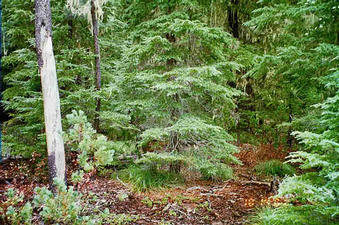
point(196, 202)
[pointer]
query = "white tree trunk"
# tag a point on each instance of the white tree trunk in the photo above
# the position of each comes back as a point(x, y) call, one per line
point(49, 84)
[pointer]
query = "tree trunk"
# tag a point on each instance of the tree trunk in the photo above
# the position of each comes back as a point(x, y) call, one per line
point(289, 135)
point(50, 92)
point(1, 109)
point(0, 142)
point(70, 25)
point(175, 113)
point(233, 22)
point(97, 63)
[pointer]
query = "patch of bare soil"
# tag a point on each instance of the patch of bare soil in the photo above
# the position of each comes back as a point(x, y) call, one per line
point(198, 202)
point(224, 203)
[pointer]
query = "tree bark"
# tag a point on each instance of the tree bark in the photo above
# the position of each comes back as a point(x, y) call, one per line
point(289, 132)
point(175, 113)
point(50, 92)
point(233, 22)
point(70, 25)
point(97, 63)
point(1, 109)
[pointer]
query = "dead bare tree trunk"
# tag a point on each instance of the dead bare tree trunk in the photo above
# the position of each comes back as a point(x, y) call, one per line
point(50, 92)
point(97, 62)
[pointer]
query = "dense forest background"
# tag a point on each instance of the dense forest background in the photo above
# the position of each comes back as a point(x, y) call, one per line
point(183, 83)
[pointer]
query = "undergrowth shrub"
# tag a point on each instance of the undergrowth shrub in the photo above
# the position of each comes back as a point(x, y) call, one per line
point(125, 153)
point(144, 178)
point(295, 215)
point(274, 168)
point(214, 171)
point(13, 212)
point(193, 143)
point(66, 206)
point(63, 207)
point(94, 149)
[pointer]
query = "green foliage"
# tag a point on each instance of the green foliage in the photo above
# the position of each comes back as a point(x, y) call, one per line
point(13, 212)
point(63, 207)
point(320, 153)
point(274, 168)
point(71, 41)
point(296, 215)
point(216, 171)
point(77, 177)
point(317, 190)
point(94, 149)
point(165, 79)
point(300, 64)
point(204, 147)
point(121, 219)
point(173, 79)
point(144, 179)
point(66, 206)
point(160, 159)
point(294, 47)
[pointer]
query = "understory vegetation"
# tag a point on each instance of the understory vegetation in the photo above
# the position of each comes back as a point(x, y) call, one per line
point(66, 206)
point(183, 85)
point(274, 168)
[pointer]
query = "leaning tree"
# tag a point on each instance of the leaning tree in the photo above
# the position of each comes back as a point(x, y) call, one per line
point(50, 92)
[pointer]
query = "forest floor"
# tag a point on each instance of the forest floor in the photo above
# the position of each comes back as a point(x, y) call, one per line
point(195, 202)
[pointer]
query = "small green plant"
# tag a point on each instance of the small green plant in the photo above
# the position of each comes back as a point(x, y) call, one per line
point(172, 212)
point(63, 207)
point(145, 178)
point(163, 222)
point(274, 168)
point(147, 201)
point(124, 219)
point(105, 217)
point(77, 176)
point(122, 196)
point(66, 206)
point(205, 205)
point(12, 211)
point(94, 149)
point(164, 201)
point(180, 198)
point(201, 147)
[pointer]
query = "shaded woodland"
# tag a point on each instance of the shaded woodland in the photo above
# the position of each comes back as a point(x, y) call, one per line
point(170, 112)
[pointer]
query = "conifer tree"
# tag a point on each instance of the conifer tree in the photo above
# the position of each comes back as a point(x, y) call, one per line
point(288, 63)
point(93, 10)
point(173, 78)
point(298, 72)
